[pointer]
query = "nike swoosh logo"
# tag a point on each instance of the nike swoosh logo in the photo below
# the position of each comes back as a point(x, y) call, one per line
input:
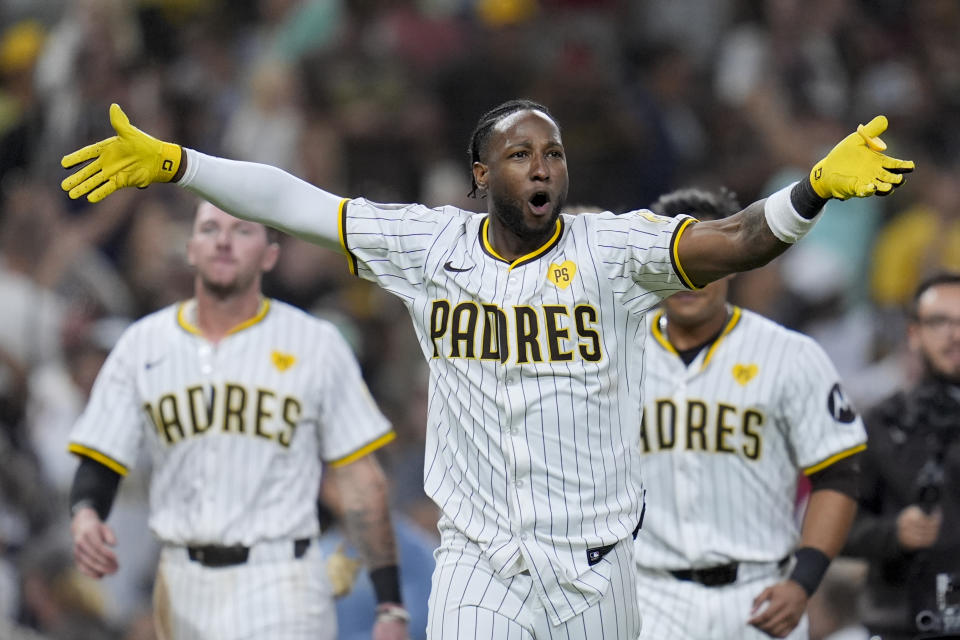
point(448, 266)
point(153, 363)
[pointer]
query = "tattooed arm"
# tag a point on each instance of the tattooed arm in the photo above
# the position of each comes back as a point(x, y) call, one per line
point(365, 513)
point(713, 249)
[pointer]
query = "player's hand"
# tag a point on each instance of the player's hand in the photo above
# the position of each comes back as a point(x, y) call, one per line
point(856, 168)
point(916, 529)
point(92, 540)
point(391, 623)
point(785, 604)
point(129, 159)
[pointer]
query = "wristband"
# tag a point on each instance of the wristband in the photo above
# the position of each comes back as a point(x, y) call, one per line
point(386, 584)
point(392, 612)
point(805, 200)
point(81, 504)
point(784, 221)
point(809, 569)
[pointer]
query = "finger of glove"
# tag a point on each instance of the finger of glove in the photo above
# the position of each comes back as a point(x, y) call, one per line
point(86, 153)
point(885, 188)
point(119, 120)
point(89, 184)
point(890, 176)
point(897, 166)
point(82, 175)
point(871, 130)
point(103, 191)
point(871, 188)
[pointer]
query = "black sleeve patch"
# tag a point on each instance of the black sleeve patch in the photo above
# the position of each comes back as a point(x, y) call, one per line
point(839, 407)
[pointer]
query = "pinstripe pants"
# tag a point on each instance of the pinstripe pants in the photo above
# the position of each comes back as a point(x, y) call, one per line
point(468, 601)
point(684, 610)
point(272, 596)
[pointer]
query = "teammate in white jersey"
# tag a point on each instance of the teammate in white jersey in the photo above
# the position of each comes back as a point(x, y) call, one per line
point(529, 320)
point(240, 399)
point(735, 408)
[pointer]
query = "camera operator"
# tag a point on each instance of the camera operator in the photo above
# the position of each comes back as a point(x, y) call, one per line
point(908, 525)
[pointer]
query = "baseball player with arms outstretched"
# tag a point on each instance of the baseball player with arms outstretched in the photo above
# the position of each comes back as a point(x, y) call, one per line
point(240, 399)
point(735, 407)
point(529, 320)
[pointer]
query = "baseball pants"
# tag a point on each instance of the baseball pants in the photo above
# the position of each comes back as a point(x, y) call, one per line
point(272, 595)
point(468, 600)
point(684, 610)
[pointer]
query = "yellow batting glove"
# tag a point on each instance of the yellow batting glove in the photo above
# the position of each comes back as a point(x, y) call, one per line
point(129, 159)
point(342, 572)
point(856, 168)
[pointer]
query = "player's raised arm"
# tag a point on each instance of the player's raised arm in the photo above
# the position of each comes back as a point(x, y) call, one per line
point(855, 168)
point(247, 190)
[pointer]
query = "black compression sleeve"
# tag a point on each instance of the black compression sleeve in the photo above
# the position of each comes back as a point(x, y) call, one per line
point(96, 485)
point(842, 476)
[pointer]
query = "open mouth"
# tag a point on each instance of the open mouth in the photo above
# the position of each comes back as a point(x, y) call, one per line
point(540, 202)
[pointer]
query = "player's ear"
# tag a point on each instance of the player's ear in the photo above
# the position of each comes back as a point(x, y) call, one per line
point(480, 175)
point(270, 257)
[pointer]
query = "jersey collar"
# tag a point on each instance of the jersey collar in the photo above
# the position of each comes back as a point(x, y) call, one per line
point(187, 317)
point(533, 255)
point(660, 336)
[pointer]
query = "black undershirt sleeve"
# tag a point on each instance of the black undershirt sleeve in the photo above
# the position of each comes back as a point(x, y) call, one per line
point(94, 485)
point(842, 476)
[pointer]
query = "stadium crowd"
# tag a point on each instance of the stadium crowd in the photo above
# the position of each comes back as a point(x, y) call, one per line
point(378, 97)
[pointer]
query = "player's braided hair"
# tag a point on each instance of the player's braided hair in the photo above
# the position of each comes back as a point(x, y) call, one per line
point(481, 133)
point(699, 203)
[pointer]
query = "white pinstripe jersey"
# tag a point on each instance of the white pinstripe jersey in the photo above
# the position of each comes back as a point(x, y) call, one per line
point(725, 437)
point(237, 429)
point(531, 439)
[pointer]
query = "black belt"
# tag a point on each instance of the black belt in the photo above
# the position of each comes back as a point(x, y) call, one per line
point(718, 576)
point(214, 556)
point(712, 577)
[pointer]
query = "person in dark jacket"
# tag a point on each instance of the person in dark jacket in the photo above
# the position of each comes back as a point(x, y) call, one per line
point(908, 525)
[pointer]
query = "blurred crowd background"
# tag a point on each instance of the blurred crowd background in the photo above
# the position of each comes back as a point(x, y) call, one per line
point(378, 98)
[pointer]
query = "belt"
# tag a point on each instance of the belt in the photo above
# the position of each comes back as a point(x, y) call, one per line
point(718, 576)
point(215, 556)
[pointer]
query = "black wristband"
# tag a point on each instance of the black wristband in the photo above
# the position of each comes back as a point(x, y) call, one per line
point(809, 569)
point(386, 584)
point(805, 200)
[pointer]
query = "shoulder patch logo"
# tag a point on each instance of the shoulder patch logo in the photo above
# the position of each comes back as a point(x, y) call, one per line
point(282, 361)
point(562, 274)
point(838, 405)
point(744, 373)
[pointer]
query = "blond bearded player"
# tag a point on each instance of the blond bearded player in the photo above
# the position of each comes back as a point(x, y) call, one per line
point(239, 399)
point(529, 320)
point(735, 408)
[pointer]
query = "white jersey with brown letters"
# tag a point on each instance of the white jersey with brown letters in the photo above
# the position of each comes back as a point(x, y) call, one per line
point(531, 446)
point(237, 429)
point(723, 441)
point(726, 437)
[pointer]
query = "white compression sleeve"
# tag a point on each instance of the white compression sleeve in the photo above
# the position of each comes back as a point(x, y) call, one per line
point(265, 194)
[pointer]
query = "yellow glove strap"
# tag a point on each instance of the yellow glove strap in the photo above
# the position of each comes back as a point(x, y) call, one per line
point(170, 155)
